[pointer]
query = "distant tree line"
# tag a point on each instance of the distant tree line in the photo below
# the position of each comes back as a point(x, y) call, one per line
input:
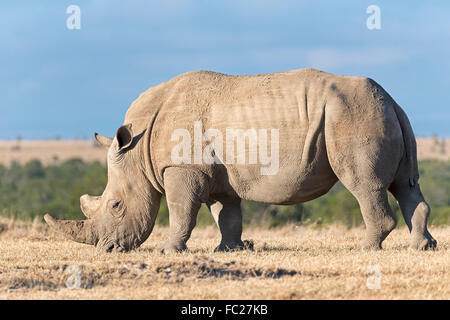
point(31, 190)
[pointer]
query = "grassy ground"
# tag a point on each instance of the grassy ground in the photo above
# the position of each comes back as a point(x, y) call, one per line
point(288, 263)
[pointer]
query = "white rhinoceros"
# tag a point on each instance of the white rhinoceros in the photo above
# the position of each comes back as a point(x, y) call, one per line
point(189, 139)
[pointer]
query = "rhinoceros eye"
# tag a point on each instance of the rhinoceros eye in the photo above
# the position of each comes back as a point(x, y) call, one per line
point(116, 207)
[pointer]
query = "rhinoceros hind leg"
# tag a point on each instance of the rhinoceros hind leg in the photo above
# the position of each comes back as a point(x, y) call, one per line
point(415, 211)
point(228, 216)
point(372, 197)
point(378, 217)
point(366, 165)
point(367, 178)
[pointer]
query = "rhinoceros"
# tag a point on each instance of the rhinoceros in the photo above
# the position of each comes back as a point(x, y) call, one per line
point(323, 128)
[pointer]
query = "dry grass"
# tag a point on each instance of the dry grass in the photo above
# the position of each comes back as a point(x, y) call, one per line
point(433, 148)
point(288, 263)
point(56, 151)
point(50, 151)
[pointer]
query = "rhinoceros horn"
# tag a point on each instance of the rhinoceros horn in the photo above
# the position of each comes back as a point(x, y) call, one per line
point(82, 231)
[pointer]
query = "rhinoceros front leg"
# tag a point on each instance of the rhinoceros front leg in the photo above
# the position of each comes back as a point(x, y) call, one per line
point(185, 189)
point(228, 216)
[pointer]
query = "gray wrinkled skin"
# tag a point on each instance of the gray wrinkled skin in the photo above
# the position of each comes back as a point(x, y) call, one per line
point(330, 128)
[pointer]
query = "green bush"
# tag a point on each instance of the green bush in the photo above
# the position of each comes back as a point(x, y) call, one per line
point(32, 190)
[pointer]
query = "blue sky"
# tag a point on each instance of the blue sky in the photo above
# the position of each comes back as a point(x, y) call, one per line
point(56, 82)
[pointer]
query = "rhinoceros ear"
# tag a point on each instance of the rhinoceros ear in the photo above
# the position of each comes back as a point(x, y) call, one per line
point(124, 136)
point(104, 141)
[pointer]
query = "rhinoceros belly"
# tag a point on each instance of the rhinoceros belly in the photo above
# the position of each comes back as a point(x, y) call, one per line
point(284, 160)
point(296, 180)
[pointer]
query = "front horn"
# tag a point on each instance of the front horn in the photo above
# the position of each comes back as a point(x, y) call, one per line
point(82, 231)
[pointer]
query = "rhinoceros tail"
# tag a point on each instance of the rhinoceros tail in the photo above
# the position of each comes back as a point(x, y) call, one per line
point(409, 142)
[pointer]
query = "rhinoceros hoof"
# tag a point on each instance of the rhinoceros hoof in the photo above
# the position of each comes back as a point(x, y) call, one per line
point(234, 246)
point(372, 246)
point(172, 247)
point(423, 243)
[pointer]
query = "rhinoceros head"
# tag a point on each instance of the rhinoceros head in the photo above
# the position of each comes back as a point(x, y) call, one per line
point(123, 217)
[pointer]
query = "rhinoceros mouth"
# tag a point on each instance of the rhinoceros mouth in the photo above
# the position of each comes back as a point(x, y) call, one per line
point(108, 245)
